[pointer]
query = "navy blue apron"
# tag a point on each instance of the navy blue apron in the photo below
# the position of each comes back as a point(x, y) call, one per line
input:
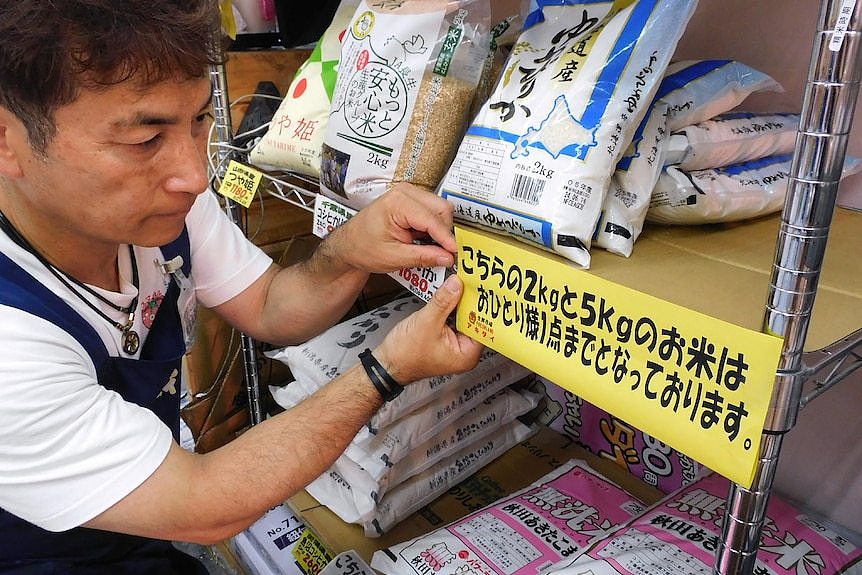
point(28, 549)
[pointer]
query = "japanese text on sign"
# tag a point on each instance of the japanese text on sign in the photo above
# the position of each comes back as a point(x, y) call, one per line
point(697, 383)
point(240, 183)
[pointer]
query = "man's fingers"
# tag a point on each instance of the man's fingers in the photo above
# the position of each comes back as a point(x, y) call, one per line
point(446, 297)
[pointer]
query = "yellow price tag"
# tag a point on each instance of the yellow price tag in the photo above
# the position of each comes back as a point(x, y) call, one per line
point(310, 553)
point(240, 183)
point(694, 382)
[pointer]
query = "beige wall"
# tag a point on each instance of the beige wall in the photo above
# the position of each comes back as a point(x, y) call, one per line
point(774, 36)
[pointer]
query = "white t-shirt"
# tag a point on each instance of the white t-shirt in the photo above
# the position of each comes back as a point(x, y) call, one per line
point(70, 448)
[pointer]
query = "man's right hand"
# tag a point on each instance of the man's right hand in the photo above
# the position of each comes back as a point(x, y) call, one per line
point(425, 345)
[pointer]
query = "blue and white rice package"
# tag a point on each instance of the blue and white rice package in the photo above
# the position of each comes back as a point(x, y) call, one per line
point(732, 138)
point(537, 160)
point(691, 91)
point(628, 198)
point(697, 90)
point(732, 193)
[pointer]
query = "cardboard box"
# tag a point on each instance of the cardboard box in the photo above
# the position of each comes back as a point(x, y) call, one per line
point(724, 271)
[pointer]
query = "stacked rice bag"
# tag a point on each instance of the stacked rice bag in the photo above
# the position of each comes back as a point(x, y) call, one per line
point(540, 528)
point(691, 92)
point(435, 434)
point(574, 521)
point(537, 160)
point(693, 161)
point(682, 533)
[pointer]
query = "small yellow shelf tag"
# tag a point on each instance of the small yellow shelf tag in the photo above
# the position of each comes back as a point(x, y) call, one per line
point(240, 183)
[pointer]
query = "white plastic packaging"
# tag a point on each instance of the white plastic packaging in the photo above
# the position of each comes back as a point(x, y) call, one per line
point(628, 198)
point(409, 446)
point(537, 160)
point(697, 90)
point(422, 489)
point(732, 193)
point(731, 138)
point(334, 491)
point(691, 91)
point(407, 75)
point(366, 490)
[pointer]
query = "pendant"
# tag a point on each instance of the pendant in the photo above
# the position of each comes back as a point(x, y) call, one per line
point(131, 341)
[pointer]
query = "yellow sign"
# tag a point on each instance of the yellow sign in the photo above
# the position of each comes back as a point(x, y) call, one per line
point(696, 383)
point(240, 183)
point(310, 553)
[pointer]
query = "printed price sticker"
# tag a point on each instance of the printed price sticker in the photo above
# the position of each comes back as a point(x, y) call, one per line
point(694, 382)
point(310, 553)
point(240, 183)
point(421, 282)
point(328, 215)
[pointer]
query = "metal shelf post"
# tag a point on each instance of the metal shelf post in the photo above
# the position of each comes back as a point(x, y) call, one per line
point(827, 114)
point(224, 136)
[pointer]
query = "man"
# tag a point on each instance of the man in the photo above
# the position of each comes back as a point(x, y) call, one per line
point(103, 125)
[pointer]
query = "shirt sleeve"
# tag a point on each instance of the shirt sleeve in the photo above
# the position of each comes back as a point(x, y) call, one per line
point(224, 261)
point(69, 448)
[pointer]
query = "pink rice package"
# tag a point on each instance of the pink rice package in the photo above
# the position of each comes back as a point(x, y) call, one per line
point(680, 536)
point(545, 525)
point(609, 437)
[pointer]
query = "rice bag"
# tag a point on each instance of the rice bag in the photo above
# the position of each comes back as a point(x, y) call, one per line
point(625, 205)
point(398, 456)
point(681, 535)
point(537, 160)
point(697, 90)
point(430, 411)
point(689, 92)
point(324, 357)
point(547, 524)
point(407, 75)
point(731, 138)
point(732, 193)
point(294, 137)
point(352, 505)
point(609, 437)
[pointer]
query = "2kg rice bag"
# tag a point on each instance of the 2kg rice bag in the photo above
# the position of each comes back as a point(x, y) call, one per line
point(547, 524)
point(537, 160)
point(295, 135)
point(407, 75)
point(729, 194)
point(680, 537)
point(731, 138)
point(625, 205)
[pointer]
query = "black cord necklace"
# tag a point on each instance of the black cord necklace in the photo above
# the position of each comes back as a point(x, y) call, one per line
point(130, 338)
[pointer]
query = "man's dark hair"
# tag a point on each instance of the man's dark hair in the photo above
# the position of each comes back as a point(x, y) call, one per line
point(50, 49)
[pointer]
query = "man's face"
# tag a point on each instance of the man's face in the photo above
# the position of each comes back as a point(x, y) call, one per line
point(125, 165)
